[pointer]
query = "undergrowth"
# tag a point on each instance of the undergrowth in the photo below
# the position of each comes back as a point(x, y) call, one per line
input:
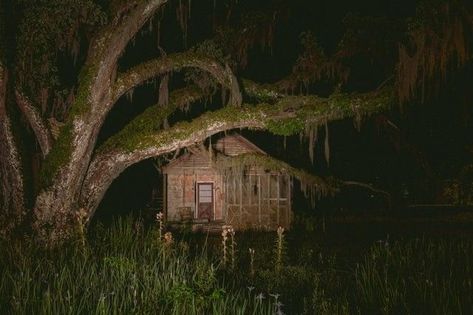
point(132, 269)
point(123, 269)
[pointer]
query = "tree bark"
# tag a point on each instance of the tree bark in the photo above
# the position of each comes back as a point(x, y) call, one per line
point(36, 122)
point(148, 70)
point(67, 164)
point(12, 207)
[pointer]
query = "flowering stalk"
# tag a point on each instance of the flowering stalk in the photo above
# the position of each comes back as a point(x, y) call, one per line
point(160, 220)
point(168, 239)
point(232, 246)
point(224, 244)
point(252, 262)
point(279, 248)
point(226, 231)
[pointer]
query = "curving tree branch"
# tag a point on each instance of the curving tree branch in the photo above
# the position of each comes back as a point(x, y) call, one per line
point(36, 122)
point(289, 116)
point(111, 42)
point(149, 122)
point(66, 166)
point(152, 119)
point(173, 62)
point(262, 92)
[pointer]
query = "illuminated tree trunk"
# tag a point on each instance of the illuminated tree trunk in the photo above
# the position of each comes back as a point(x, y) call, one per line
point(11, 176)
point(100, 86)
point(66, 165)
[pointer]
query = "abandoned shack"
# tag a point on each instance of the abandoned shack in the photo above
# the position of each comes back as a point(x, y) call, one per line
point(201, 192)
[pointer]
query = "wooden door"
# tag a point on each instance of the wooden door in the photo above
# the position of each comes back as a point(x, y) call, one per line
point(205, 201)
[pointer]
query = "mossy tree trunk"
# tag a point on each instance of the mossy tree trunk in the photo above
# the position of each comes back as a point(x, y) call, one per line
point(75, 174)
point(66, 165)
point(100, 86)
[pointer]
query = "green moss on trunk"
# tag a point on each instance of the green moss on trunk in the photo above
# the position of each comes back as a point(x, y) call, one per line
point(61, 151)
point(58, 156)
point(151, 120)
point(82, 101)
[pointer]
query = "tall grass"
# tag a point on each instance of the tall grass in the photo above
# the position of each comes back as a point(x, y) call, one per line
point(417, 277)
point(121, 270)
point(132, 270)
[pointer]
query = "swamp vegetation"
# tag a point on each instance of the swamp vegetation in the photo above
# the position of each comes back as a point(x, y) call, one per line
point(128, 268)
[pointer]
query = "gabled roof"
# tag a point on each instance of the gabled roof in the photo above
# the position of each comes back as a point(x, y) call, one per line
point(235, 144)
point(196, 159)
point(231, 145)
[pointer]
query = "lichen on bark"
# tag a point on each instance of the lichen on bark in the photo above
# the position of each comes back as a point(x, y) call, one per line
point(58, 156)
point(289, 116)
point(62, 149)
point(151, 120)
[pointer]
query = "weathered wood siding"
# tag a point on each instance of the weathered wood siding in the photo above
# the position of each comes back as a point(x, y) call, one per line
point(181, 192)
point(255, 200)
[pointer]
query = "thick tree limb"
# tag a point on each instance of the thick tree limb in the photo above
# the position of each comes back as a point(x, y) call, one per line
point(68, 162)
point(262, 92)
point(166, 64)
point(152, 119)
point(288, 115)
point(149, 122)
point(110, 43)
point(36, 122)
point(11, 177)
point(86, 128)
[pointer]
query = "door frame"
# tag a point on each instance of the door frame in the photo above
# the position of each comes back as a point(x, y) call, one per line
point(197, 198)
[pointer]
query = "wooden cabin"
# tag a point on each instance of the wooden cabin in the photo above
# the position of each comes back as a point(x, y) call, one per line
point(198, 193)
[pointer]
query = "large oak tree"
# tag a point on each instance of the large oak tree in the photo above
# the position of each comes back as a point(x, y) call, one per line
point(66, 119)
